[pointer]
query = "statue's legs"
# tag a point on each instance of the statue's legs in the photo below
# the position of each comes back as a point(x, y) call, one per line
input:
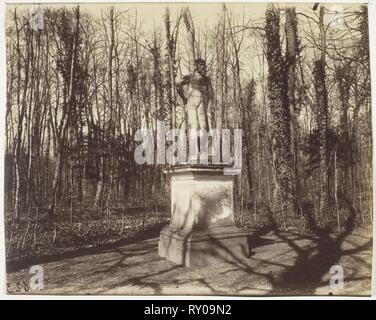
point(197, 112)
point(201, 114)
point(193, 124)
point(192, 106)
point(197, 120)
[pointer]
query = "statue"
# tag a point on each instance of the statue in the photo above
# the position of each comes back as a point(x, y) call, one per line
point(199, 102)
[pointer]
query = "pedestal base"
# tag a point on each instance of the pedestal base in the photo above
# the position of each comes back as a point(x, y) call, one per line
point(214, 245)
point(202, 229)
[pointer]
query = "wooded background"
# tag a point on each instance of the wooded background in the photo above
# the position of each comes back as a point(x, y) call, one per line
point(296, 80)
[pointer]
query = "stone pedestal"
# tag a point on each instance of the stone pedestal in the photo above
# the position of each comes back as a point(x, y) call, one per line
point(202, 230)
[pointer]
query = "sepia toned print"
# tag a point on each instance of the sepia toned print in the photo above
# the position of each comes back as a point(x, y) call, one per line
point(188, 149)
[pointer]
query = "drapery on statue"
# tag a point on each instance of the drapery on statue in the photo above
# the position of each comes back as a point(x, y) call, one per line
point(199, 102)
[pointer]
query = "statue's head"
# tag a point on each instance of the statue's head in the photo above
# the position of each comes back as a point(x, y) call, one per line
point(200, 66)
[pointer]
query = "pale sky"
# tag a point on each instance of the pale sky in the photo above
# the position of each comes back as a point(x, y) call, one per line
point(151, 13)
point(205, 15)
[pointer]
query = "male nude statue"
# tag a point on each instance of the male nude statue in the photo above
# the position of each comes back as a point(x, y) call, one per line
point(200, 97)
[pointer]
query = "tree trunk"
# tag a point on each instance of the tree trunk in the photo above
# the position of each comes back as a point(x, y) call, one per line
point(322, 125)
point(280, 113)
point(65, 121)
point(291, 54)
point(21, 115)
point(191, 38)
point(322, 115)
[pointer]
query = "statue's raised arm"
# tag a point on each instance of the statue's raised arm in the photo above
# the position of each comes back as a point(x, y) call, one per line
point(180, 88)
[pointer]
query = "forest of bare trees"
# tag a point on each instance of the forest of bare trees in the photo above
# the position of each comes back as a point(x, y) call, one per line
point(295, 80)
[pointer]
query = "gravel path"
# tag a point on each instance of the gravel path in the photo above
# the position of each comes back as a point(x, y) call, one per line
point(279, 264)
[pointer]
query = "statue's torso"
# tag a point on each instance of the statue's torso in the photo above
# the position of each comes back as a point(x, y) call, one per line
point(198, 85)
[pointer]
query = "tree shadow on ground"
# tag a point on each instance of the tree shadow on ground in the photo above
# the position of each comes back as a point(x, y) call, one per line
point(315, 254)
point(255, 239)
point(137, 268)
point(314, 262)
point(13, 265)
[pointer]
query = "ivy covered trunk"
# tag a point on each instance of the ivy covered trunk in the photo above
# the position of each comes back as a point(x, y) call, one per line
point(322, 126)
point(280, 113)
point(291, 54)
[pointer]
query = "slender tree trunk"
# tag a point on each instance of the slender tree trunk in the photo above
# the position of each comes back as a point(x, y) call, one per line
point(322, 124)
point(322, 115)
point(222, 70)
point(22, 103)
point(188, 21)
point(171, 45)
point(291, 54)
point(280, 113)
point(64, 122)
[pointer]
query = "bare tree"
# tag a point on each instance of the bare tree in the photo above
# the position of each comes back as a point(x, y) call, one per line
point(279, 111)
point(61, 134)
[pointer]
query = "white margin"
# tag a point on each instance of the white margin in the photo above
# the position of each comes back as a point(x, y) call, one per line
point(372, 45)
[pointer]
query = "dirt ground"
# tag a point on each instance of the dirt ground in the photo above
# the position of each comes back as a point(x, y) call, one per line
point(278, 264)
